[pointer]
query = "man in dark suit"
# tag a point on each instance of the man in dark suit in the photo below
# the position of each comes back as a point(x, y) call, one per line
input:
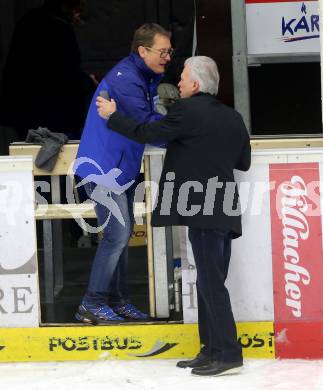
point(206, 142)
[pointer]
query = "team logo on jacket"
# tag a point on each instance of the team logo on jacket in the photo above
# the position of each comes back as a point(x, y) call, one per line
point(301, 27)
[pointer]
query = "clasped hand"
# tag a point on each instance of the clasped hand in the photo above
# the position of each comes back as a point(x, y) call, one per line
point(105, 107)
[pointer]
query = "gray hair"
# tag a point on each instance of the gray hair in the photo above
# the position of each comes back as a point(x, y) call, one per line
point(205, 71)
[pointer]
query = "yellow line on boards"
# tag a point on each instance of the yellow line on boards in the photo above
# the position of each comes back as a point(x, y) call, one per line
point(170, 341)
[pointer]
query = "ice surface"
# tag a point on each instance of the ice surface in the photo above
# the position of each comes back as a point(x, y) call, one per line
point(159, 374)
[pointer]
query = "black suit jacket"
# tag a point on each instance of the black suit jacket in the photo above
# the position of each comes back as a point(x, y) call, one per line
point(206, 142)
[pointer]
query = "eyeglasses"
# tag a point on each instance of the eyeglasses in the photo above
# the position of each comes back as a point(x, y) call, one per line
point(162, 52)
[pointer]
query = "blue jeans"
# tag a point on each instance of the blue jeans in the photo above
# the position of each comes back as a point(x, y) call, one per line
point(217, 329)
point(108, 279)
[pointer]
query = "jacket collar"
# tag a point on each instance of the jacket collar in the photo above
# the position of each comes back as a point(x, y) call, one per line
point(147, 73)
point(204, 94)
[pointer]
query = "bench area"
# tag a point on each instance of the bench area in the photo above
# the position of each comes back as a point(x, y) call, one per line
point(52, 213)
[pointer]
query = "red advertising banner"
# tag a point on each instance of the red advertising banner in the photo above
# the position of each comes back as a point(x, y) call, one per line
point(299, 340)
point(296, 233)
point(276, 1)
point(296, 242)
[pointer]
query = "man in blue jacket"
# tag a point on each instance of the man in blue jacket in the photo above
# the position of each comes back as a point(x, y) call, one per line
point(109, 164)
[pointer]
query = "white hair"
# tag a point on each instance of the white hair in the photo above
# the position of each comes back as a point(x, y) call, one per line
point(205, 71)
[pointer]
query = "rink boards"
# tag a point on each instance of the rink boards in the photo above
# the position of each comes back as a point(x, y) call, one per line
point(276, 267)
point(276, 286)
point(167, 341)
point(146, 341)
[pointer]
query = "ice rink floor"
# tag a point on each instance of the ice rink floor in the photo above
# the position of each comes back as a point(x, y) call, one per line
point(159, 374)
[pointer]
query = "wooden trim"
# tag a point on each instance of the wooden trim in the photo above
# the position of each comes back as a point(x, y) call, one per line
point(64, 211)
point(285, 143)
point(68, 153)
point(69, 211)
point(150, 253)
point(64, 162)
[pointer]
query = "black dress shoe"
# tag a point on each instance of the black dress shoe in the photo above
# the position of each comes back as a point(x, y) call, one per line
point(199, 361)
point(218, 368)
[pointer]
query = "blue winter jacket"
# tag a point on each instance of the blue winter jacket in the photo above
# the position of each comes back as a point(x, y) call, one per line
point(134, 88)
